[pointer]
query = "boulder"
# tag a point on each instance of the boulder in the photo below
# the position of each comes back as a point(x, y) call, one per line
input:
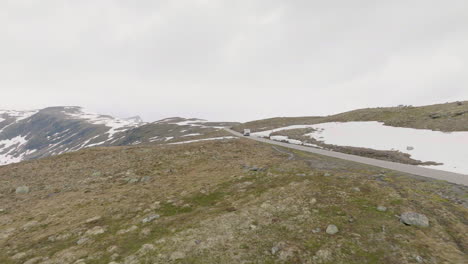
point(381, 208)
point(414, 219)
point(177, 255)
point(332, 229)
point(22, 190)
point(150, 218)
point(97, 230)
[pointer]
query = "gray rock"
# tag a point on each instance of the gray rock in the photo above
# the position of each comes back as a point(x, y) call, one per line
point(356, 189)
point(146, 248)
point(2, 210)
point(301, 175)
point(82, 240)
point(419, 259)
point(332, 229)
point(97, 230)
point(177, 255)
point(145, 179)
point(409, 148)
point(327, 174)
point(19, 256)
point(150, 218)
point(414, 219)
point(133, 180)
point(34, 260)
point(22, 190)
point(435, 115)
point(93, 220)
point(381, 208)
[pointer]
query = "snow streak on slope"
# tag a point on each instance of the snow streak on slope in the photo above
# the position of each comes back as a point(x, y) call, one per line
point(115, 124)
point(9, 149)
point(451, 149)
point(18, 115)
point(203, 139)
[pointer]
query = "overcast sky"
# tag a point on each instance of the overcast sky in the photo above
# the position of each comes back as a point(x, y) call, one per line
point(231, 60)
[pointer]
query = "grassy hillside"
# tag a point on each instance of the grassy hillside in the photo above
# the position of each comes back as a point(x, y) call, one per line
point(233, 201)
point(443, 117)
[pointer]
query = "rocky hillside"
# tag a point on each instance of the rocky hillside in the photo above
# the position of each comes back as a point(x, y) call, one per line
point(26, 135)
point(224, 201)
point(441, 117)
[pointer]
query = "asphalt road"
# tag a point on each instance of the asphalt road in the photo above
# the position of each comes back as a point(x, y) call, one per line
point(420, 171)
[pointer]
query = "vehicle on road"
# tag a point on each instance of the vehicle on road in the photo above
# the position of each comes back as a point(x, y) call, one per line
point(246, 132)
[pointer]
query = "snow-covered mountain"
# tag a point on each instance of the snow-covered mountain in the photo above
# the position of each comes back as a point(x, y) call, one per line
point(26, 135)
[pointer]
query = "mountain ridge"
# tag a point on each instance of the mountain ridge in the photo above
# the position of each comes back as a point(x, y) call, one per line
point(26, 135)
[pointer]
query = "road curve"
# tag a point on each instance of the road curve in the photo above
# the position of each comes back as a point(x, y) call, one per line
point(420, 171)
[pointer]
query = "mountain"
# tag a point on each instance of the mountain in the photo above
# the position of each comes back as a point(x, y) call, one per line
point(446, 117)
point(26, 135)
point(224, 201)
point(435, 136)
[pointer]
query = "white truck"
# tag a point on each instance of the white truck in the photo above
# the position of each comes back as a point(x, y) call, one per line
point(246, 132)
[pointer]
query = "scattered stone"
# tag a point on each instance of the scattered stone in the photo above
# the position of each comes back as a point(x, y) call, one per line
point(332, 229)
point(381, 208)
point(34, 260)
point(114, 256)
point(80, 261)
point(29, 225)
point(97, 230)
point(313, 201)
point(419, 259)
point(435, 115)
point(93, 220)
point(112, 249)
point(414, 219)
point(150, 218)
point(146, 248)
point(128, 230)
point(275, 250)
point(132, 259)
point(22, 190)
point(327, 174)
point(96, 174)
point(459, 103)
point(145, 179)
point(156, 205)
point(356, 189)
point(19, 256)
point(2, 210)
point(177, 255)
point(301, 175)
point(316, 230)
point(323, 255)
point(82, 240)
point(132, 180)
point(4, 234)
point(145, 232)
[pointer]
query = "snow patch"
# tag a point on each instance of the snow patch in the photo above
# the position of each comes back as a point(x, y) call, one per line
point(115, 124)
point(18, 115)
point(204, 139)
point(451, 149)
point(192, 135)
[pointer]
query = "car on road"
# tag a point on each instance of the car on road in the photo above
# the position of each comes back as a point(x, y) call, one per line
point(246, 132)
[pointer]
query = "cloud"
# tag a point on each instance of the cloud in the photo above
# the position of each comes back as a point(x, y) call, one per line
point(231, 60)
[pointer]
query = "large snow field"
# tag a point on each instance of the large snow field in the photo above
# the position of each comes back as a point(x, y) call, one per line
point(451, 149)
